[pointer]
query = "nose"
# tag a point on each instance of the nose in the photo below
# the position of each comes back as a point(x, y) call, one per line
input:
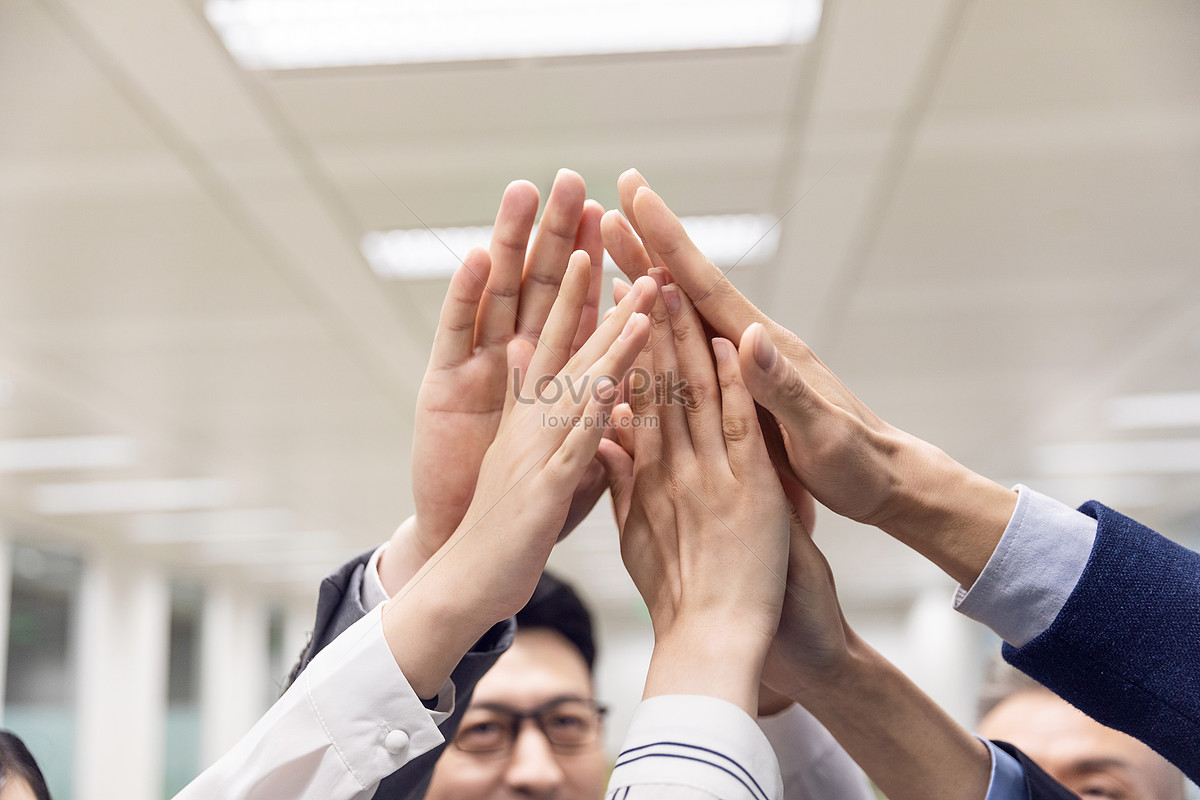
point(533, 768)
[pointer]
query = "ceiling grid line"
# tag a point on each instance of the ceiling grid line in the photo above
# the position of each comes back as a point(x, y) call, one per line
point(835, 310)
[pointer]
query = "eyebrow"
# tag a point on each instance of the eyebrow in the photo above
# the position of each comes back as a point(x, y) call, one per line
point(1100, 764)
point(562, 698)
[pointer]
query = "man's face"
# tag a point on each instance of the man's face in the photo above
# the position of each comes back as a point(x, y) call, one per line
point(1089, 759)
point(540, 667)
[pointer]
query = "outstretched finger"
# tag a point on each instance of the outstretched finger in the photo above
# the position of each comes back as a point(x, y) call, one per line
point(454, 340)
point(578, 448)
point(604, 375)
point(554, 346)
point(747, 452)
point(723, 306)
point(639, 300)
point(510, 236)
point(624, 246)
point(621, 423)
point(627, 188)
point(548, 254)
point(589, 240)
point(618, 471)
point(693, 382)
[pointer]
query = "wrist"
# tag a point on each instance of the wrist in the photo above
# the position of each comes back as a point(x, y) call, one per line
point(828, 677)
point(429, 628)
point(714, 660)
point(403, 557)
point(943, 510)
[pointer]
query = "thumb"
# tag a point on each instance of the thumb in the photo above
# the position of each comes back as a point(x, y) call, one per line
point(777, 386)
point(618, 469)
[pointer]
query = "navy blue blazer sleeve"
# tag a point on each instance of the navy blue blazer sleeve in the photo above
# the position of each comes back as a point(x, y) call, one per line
point(1125, 648)
point(339, 605)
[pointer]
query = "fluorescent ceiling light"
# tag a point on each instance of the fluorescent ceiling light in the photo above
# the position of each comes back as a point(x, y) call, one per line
point(729, 240)
point(1121, 458)
point(292, 34)
point(66, 452)
point(115, 497)
point(1175, 410)
point(240, 525)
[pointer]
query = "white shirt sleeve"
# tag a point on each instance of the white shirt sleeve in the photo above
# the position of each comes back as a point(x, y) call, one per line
point(814, 765)
point(693, 747)
point(373, 592)
point(1033, 570)
point(348, 721)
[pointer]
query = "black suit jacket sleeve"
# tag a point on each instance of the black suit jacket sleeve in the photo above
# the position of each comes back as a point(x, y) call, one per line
point(339, 605)
point(1039, 785)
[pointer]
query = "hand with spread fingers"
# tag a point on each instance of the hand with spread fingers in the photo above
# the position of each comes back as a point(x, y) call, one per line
point(833, 445)
point(487, 569)
point(702, 517)
point(852, 461)
point(502, 294)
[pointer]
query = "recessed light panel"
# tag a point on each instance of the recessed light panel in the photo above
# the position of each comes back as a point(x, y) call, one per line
point(297, 34)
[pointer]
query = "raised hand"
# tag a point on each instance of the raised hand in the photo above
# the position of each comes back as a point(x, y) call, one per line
point(851, 460)
point(487, 569)
point(702, 516)
point(501, 294)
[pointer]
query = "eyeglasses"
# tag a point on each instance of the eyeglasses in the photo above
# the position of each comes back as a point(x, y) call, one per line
point(571, 725)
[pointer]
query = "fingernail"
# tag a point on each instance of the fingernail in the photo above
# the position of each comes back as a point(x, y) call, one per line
point(630, 324)
point(659, 274)
point(640, 287)
point(624, 223)
point(764, 350)
point(670, 295)
point(722, 349)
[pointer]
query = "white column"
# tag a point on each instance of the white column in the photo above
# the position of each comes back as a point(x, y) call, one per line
point(124, 623)
point(5, 608)
point(233, 668)
point(943, 657)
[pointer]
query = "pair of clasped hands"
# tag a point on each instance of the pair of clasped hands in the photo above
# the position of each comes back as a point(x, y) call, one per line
point(712, 501)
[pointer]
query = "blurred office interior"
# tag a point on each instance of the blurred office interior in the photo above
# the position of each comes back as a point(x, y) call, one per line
point(214, 316)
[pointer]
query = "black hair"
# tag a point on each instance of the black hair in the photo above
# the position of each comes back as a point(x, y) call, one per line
point(17, 762)
point(556, 606)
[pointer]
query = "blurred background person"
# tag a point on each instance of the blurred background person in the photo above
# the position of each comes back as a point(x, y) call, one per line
point(20, 776)
point(1080, 753)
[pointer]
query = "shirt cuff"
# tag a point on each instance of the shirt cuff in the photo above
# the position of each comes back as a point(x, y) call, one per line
point(1008, 777)
point(701, 742)
point(373, 592)
point(372, 717)
point(812, 762)
point(1033, 570)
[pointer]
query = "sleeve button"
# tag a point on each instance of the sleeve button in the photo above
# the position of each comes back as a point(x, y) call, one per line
point(396, 742)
